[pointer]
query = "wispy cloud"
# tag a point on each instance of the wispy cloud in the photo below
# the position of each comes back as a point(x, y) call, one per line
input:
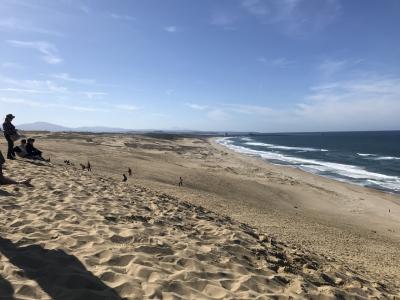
point(277, 62)
point(281, 62)
point(93, 95)
point(35, 86)
point(13, 24)
point(218, 115)
point(122, 17)
point(196, 106)
point(371, 102)
point(171, 29)
point(19, 90)
point(295, 17)
point(33, 103)
point(49, 51)
point(368, 103)
point(21, 101)
point(126, 107)
point(249, 109)
point(329, 67)
point(256, 7)
point(69, 78)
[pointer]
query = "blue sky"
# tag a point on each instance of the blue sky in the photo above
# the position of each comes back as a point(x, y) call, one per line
point(248, 65)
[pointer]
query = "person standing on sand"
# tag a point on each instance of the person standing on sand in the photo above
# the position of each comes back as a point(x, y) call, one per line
point(89, 167)
point(125, 178)
point(9, 130)
point(129, 171)
point(180, 181)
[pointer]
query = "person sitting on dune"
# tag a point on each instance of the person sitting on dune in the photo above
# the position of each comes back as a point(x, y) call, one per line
point(5, 180)
point(20, 150)
point(33, 152)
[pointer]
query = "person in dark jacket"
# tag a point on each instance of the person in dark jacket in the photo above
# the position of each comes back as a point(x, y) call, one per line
point(9, 130)
point(33, 152)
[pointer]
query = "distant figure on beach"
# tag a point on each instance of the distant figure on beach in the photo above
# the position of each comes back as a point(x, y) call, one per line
point(129, 172)
point(180, 181)
point(83, 167)
point(10, 133)
point(5, 180)
point(20, 150)
point(67, 162)
point(125, 178)
point(89, 167)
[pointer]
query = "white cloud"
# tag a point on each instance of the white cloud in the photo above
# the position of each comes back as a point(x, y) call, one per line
point(19, 90)
point(281, 62)
point(33, 103)
point(277, 62)
point(69, 78)
point(256, 7)
point(49, 51)
point(37, 86)
point(12, 24)
point(171, 29)
point(249, 109)
point(218, 115)
point(295, 17)
point(25, 102)
point(126, 107)
point(196, 106)
point(368, 103)
point(122, 17)
point(93, 95)
point(329, 67)
point(361, 104)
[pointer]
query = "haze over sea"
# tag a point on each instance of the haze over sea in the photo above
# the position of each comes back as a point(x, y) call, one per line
point(369, 159)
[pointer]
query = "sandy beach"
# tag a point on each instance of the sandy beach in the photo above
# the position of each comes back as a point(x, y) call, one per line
point(238, 228)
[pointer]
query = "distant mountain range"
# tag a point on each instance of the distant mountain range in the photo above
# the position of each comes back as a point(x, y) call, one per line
point(44, 126)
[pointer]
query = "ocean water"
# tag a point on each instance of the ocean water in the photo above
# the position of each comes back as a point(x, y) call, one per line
point(369, 159)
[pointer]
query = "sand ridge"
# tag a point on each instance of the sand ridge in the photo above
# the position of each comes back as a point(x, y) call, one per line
point(77, 235)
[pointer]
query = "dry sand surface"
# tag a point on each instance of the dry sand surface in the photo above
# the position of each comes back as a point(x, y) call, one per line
point(82, 235)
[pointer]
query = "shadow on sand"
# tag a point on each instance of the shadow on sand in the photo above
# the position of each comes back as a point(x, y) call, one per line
point(6, 289)
point(60, 275)
point(5, 193)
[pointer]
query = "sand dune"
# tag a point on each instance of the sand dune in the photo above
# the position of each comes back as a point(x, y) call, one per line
point(76, 235)
point(81, 235)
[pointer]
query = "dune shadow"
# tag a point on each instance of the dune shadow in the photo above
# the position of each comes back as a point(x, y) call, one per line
point(5, 193)
point(60, 275)
point(6, 289)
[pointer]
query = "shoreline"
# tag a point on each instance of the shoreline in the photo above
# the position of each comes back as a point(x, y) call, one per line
point(342, 221)
point(346, 181)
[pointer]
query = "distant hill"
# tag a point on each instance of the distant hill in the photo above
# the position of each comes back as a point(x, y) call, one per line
point(44, 126)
